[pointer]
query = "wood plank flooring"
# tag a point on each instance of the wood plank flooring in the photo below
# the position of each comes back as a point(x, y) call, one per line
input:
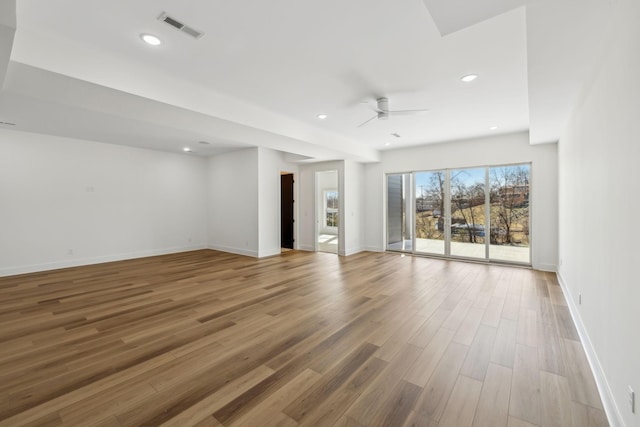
point(207, 338)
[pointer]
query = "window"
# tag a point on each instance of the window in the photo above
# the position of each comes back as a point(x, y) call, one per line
point(331, 208)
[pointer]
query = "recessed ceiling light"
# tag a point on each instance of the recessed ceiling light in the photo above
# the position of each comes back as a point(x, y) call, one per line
point(186, 150)
point(322, 116)
point(204, 142)
point(469, 78)
point(396, 134)
point(150, 39)
point(386, 144)
point(493, 128)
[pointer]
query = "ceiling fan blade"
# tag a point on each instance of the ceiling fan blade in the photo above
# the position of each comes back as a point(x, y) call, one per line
point(372, 118)
point(407, 112)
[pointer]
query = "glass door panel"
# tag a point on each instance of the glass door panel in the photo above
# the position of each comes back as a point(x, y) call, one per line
point(509, 237)
point(468, 213)
point(475, 213)
point(430, 212)
point(399, 212)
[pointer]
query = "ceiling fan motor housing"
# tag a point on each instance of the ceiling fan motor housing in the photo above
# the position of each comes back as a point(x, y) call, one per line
point(383, 108)
point(383, 104)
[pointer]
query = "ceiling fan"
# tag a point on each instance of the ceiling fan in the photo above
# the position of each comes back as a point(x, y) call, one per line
point(383, 112)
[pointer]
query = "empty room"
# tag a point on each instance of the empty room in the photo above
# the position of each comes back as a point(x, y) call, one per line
point(344, 213)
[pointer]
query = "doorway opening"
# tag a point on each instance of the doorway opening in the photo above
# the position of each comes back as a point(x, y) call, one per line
point(328, 211)
point(286, 211)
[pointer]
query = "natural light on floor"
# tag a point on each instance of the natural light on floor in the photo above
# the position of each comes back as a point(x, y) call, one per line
point(328, 243)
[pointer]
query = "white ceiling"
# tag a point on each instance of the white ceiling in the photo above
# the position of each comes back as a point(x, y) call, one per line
point(264, 70)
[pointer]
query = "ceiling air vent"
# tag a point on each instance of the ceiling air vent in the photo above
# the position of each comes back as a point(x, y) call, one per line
point(164, 17)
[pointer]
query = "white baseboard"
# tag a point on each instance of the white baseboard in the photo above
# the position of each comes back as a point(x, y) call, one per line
point(609, 404)
point(308, 248)
point(545, 267)
point(269, 252)
point(232, 250)
point(373, 249)
point(77, 262)
point(352, 251)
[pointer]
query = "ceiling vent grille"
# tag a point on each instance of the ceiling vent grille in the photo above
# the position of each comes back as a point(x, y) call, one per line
point(164, 17)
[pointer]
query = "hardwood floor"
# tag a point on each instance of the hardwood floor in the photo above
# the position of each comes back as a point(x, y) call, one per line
point(212, 339)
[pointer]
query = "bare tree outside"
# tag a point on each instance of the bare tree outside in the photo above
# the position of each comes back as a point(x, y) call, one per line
point(487, 208)
point(467, 205)
point(509, 195)
point(430, 205)
point(331, 210)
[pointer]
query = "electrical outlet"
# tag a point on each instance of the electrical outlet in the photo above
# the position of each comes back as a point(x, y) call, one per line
point(70, 252)
point(632, 400)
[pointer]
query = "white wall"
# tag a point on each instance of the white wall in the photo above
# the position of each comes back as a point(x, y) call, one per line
point(233, 202)
point(307, 195)
point(501, 149)
point(66, 202)
point(270, 164)
point(599, 241)
point(353, 211)
point(374, 230)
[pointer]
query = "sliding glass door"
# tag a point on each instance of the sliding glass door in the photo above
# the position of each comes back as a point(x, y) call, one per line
point(467, 197)
point(473, 213)
point(430, 212)
point(509, 213)
point(399, 212)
